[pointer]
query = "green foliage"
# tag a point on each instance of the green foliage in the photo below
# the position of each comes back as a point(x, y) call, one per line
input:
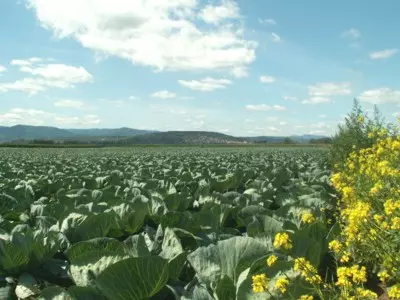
point(326, 140)
point(353, 135)
point(288, 140)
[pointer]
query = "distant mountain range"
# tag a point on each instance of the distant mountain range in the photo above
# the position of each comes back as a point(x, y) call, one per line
point(26, 132)
point(126, 135)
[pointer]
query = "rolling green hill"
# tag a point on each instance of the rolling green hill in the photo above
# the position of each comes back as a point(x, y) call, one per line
point(126, 136)
point(185, 137)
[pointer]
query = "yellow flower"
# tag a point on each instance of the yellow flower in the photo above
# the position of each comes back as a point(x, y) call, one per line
point(361, 119)
point(307, 218)
point(345, 257)
point(281, 284)
point(359, 274)
point(336, 246)
point(395, 223)
point(366, 293)
point(383, 275)
point(282, 240)
point(351, 166)
point(376, 189)
point(347, 276)
point(391, 206)
point(347, 191)
point(272, 260)
point(306, 297)
point(378, 218)
point(394, 292)
point(344, 275)
point(307, 270)
point(260, 283)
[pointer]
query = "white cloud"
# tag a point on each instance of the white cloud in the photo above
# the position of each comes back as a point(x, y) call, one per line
point(380, 96)
point(275, 38)
point(279, 107)
point(39, 117)
point(163, 94)
point(30, 112)
point(316, 100)
point(27, 85)
point(258, 107)
point(205, 85)
point(137, 30)
point(383, 54)
point(46, 76)
point(215, 14)
point(352, 33)
point(264, 107)
point(326, 89)
point(133, 98)
point(267, 79)
point(10, 119)
point(321, 92)
point(290, 98)
point(70, 104)
point(273, 129)
point(26, 62)
point(24, 116)
point(63, 74)
point(80, 121)
point(267, 21)
point(239, 72)
point(2, 69)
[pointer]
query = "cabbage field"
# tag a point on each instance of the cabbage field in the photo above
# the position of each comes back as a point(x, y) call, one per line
point(163, 223)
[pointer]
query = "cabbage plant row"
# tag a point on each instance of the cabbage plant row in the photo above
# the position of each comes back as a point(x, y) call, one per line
point(178, 223)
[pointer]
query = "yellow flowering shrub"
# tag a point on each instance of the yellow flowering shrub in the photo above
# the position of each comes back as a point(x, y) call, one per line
point(369, 214)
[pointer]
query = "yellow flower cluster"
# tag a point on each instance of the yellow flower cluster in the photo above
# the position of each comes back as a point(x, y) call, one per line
point(260, 283)
point(365, 294)
point(349, 275)
point(272, 260)
point(282, 241)
point(336, 246)
point(281, 284)
point(307, 270)
point(369, 214)
point(307, 217)
point(394, 292)
point(355, 216)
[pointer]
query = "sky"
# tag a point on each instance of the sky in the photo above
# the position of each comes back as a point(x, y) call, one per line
point(244, 67)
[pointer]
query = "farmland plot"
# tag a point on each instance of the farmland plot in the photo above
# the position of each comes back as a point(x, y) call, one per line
point(180, 223)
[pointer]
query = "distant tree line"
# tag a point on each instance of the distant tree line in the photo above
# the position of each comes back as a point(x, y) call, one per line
point(325, 140)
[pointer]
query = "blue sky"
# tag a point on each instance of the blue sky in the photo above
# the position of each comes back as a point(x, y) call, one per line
point(259, 67)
